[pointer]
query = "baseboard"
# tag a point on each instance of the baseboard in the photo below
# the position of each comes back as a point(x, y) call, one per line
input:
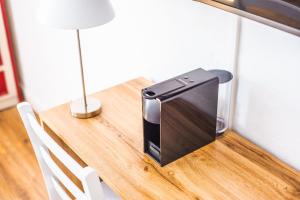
point(8, 101)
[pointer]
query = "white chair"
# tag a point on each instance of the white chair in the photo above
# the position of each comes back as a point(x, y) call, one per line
point(42, 143)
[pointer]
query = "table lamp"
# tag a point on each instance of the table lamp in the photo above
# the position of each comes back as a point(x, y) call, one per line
point(77, 14)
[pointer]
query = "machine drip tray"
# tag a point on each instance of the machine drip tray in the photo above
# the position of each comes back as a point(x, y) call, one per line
point(154, 151)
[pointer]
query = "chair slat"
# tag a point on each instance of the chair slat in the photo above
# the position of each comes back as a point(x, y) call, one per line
point(54, 177)
point(67, 160)
point(63, 195)
point(59, 174)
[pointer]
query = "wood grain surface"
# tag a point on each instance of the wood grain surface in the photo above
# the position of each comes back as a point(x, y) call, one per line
point(20, 175)
point(112, 143)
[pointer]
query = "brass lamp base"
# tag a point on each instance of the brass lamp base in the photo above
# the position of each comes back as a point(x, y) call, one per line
point(79, 110)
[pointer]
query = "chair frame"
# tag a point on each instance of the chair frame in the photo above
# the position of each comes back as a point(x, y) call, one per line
point(43, 144)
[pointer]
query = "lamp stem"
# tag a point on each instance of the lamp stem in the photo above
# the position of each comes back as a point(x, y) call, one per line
point(81, 70)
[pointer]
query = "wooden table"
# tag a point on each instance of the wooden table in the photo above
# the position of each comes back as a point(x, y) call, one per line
point(229, 168)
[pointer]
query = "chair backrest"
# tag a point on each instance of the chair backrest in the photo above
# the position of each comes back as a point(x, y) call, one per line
point(54, 177)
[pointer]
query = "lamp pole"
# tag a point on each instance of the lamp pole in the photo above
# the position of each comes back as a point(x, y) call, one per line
point(81, 70)
point(86, 107)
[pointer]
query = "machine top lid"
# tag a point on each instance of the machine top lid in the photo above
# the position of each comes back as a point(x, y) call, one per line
point(178, 84)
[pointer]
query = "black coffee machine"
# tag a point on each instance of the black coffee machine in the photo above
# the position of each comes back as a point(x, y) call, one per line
point(180, 115)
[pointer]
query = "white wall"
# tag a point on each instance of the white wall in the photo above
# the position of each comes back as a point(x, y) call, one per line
point(268, 102)
point(156, 39)
point(45, 57)
point(159, 39)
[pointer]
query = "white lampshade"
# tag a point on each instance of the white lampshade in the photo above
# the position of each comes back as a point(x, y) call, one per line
point(74, 14)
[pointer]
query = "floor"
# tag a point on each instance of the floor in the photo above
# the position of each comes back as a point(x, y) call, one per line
point(20, 177)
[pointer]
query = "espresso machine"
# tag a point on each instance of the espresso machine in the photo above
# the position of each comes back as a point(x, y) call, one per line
point(180, 115)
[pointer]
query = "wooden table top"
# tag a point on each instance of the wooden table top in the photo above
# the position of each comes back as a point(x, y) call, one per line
point(112, 143)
